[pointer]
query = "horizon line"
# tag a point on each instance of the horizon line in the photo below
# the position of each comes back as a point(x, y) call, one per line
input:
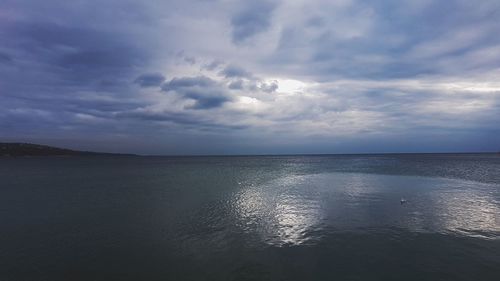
point(249, 155)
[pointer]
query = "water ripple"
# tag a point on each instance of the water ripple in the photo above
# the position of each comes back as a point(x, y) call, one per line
point(293, 210)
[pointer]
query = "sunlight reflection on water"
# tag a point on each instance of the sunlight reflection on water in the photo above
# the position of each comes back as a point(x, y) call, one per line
point(296, 210)
point(280, 212)
point(469, 212)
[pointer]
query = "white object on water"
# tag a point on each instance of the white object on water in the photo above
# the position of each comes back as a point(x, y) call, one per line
point(403, 201)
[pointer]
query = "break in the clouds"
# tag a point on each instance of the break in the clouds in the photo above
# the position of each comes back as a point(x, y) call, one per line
point(217, 77)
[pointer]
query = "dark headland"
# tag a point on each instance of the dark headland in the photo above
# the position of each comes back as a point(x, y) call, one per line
point(30, 149)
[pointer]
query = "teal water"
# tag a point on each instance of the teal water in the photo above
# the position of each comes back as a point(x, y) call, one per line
point(251, 218)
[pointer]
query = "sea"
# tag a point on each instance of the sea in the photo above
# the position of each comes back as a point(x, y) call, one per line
point(298, 217)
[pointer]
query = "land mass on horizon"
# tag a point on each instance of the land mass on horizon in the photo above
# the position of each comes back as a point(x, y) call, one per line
point(30, 149)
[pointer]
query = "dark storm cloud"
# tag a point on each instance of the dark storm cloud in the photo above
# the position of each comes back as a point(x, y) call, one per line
point(150, 80)
point(188, 82)
point(204, 102)
point(232, 71)
point(206, 93)
point(269, 87)
point(253, 18)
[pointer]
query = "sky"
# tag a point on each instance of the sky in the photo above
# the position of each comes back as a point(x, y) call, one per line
point(251, 77)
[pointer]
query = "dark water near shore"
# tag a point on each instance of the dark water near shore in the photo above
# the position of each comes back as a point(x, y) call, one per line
point(251, 218)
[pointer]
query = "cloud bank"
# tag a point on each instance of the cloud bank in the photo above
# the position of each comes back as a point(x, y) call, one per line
point(223, 77)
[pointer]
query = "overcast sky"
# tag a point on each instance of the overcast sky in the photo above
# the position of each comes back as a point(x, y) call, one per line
point(245, 77)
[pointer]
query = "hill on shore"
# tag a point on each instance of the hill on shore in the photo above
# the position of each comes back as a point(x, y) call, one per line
point(29, 149)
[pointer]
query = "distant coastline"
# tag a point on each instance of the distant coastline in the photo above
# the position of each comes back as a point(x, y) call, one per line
point(30, 149)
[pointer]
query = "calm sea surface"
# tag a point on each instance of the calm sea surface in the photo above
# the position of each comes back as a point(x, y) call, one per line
point(250, 218)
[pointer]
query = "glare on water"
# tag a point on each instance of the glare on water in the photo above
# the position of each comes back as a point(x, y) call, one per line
point(295, 210)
